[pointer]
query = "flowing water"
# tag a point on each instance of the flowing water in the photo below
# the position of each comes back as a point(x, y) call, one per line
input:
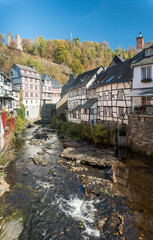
point(51, 203)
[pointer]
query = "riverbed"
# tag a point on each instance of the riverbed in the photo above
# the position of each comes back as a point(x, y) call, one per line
point(56, 199)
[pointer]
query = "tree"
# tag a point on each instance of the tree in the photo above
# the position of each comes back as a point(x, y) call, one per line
point(27, 45)
point(77, 67)
point(61, 53)
point(42, 46)
point(2, 39)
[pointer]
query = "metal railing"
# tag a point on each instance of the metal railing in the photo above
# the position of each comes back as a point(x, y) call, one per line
point(142, 110)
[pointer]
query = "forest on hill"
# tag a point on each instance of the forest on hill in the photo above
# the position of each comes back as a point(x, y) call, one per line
point(59, 58)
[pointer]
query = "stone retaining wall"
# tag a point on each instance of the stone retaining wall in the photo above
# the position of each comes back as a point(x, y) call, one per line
point(141, 133)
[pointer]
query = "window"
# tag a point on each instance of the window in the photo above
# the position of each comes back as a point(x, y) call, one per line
point(149, 52)
point(146, 72)
point(110, 112)
point(109, 95)
point(11, 73)
point(31, 87)
point(147, 100)
point(35, 87)
point(26, 86)
point(120, 95)
point(121, 112)
point(26, 94)
point(104, 96)
point(105, 111)
point(31, 94)
point(36, 95)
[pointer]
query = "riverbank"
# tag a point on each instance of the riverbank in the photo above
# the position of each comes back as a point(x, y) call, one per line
point(76, 192)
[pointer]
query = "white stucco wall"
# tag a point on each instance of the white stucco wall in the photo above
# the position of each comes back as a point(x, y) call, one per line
point(137, 78)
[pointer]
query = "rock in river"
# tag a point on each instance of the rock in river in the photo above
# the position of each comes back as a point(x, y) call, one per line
point(89, 155)
point(4, 187)
point(41, 160)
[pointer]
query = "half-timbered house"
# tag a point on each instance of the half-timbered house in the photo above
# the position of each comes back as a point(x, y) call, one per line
point(110, 88)
point(77, 94)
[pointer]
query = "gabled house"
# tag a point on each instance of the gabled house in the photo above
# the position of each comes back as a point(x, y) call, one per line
point(77, 94)
point(141, 115)
point(142, 89)
point(27, 79)
point(110, 88)
point(51, 89)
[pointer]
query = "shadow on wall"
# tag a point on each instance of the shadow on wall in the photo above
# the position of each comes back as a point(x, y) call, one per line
point(47, 112)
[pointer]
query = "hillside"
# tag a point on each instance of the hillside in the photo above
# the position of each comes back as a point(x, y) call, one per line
point(59, 72)
point(59, 58)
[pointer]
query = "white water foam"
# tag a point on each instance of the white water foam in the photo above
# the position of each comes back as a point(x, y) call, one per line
point(80, 210)
point(45, 185)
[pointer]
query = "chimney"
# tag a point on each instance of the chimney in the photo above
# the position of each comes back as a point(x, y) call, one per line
point(140, 41)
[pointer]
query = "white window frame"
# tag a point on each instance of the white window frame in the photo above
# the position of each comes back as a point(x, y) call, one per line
point(145, 72)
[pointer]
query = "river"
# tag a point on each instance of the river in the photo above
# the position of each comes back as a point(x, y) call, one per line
point(49, 202)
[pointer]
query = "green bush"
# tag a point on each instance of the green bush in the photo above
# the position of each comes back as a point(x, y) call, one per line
point(21, 111)
point(100, 134)
point(97, 134)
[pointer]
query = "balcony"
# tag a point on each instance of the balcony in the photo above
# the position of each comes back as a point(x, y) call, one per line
point(142, 110)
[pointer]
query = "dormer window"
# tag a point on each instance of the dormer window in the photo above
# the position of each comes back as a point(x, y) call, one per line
point(149, 52)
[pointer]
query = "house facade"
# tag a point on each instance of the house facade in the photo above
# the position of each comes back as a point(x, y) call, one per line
point(51, 89)
point(27, 79)
point(141, 115)
point(16, 97)
point(77, 94)
point(6, 97)
point(104, 100)
point(142, 89)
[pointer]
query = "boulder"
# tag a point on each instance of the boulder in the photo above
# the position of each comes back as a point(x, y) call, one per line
point(4, 186)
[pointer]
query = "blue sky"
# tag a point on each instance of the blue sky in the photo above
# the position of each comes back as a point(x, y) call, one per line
point(116, 21)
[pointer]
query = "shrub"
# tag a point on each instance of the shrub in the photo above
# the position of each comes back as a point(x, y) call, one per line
point(21, 111)
point(97, 134)
point(100, 134)
point(19, 125)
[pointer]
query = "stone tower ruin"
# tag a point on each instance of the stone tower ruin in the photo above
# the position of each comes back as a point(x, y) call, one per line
point(18, 42)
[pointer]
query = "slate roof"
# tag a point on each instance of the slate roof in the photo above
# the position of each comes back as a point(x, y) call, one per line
point(122, 72)
point(117, 59)
point(148, 45)
point(29, 69)
point(78, 108)
point(46, 77)
point(89, 103)
point(68, 85)
point(141, 60)
point(22, 67)
point(55, 83)
point(84, 78)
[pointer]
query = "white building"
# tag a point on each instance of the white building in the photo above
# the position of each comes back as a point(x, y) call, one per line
point(5, 92)
point(51, 89)
point(142, 89)
point(27, 79)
